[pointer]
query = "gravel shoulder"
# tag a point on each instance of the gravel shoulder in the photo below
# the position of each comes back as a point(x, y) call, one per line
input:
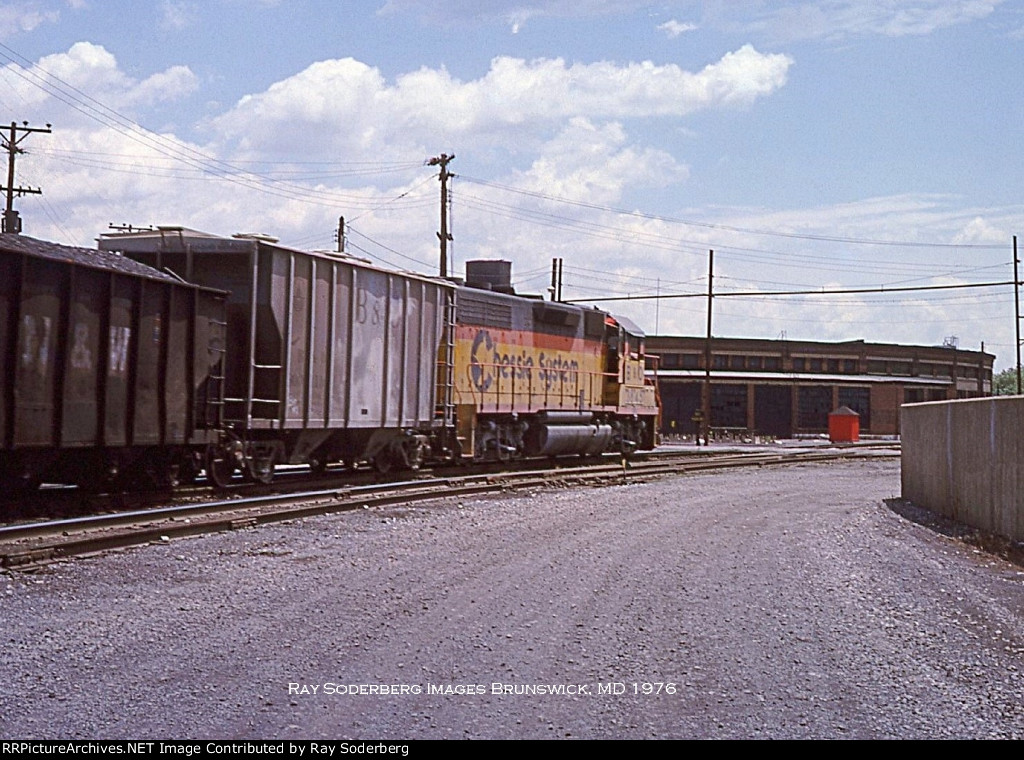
point(779, 602)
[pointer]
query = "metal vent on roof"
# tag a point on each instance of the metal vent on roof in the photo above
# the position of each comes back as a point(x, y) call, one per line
point(260, 236)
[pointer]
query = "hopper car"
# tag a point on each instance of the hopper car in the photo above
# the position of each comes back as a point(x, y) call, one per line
point(110, 370)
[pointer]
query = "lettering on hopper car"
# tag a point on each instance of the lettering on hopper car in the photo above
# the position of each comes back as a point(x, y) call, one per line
point(81, 356)
point(119, 338)
point(364, 313)
point(35, 343)
point(487, 361)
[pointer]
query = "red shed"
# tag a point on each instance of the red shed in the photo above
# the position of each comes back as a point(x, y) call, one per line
point(844, 425)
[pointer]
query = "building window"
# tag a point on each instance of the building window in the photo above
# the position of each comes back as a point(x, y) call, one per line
point(814, 402)
point(799, 364)
point(755, 362)
point(729, 406)
point(718, 361)
point(913, 395)
point(876, 367)
point(691, 361)
point(859, 400)
point(773, 362)
point(850, 366)
point(736, 362)
point(833, 365)
point(816, 365)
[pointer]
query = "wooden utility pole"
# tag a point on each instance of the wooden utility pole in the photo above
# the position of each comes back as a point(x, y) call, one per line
point(1016, 310)
point(556, 279)
point(10, 142)
point(444, 236)
point(706, 395)
point(340, 236)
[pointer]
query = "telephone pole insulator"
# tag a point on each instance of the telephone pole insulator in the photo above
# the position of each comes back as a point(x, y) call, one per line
point(444, 236)
point(10, 142)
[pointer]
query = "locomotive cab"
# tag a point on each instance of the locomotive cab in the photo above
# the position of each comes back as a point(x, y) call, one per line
point(625, 385)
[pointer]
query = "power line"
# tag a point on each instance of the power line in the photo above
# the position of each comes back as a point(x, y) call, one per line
point(729, 228)
point(781, 293)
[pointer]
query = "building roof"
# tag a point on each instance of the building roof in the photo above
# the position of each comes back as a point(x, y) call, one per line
point(854, 347)
point(803, 377)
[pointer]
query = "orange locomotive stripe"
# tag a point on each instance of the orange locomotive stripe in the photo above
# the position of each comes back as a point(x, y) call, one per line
point(527, 339)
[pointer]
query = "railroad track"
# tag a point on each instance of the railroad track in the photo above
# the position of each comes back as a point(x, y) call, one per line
point(31, 546)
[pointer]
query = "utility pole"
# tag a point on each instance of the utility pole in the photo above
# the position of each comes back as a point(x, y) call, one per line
point(705, 422)
point(444, 236)
point(1016, 309)
point(340, 236)
point(11, 221)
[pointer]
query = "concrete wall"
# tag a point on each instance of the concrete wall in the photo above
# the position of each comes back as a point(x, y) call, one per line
point(965, 460)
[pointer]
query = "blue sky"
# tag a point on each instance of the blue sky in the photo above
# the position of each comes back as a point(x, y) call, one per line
point(625, 137)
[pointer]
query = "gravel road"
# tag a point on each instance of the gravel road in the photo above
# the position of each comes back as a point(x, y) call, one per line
point(777, 603)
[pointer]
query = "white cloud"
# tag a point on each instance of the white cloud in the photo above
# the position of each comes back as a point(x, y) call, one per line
point(17, 17)
point(346, 105)
point(513, 12)
point(176, 14)
point(675, 28)
point(88, 75)
point(981, 231)
point(836, 19)
point(592, 163)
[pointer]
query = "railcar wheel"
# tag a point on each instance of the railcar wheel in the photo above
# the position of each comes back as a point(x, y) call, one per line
point(318, 464)
point(261, 470)
point(383, 463)
point(220, 466)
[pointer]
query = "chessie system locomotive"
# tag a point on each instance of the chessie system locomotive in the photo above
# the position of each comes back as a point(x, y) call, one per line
point(171, 351)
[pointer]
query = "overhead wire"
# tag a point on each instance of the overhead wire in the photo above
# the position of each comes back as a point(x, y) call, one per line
point(725, 227)
point(173, 149)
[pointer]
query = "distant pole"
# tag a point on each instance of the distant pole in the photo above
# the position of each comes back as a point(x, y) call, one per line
point(554, 279)
point(341, 234)
point(443, 160)
point(11, 222)
point(1016, 310)
point(561, 272)
point(706, 395)
point(657, 308)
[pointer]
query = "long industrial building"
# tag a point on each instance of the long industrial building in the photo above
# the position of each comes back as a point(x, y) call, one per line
point(786, 388)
